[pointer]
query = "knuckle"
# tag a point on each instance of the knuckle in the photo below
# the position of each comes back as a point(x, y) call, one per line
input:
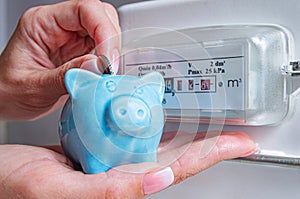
point(29, 15)
point(180, 175)
point(84, 3)
point(111, 9)
point(219, 150)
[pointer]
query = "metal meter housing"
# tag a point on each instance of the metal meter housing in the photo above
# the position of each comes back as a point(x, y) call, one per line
point(230, 74)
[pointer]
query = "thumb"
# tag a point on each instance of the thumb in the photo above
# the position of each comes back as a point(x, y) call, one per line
point(144, 178)
point(53, 80)
point(120, 184)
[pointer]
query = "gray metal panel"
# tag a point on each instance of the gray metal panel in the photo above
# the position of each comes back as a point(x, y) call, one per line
point(3, 24)
point(231, 180)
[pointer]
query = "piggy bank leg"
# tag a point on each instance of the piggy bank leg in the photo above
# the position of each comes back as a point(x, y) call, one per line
point(81, 157)
point(91, 165)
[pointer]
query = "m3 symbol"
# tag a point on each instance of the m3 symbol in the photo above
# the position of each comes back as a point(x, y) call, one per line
point(234, 83)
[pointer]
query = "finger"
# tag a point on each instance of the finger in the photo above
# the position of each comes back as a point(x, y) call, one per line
point(52, 81)
point(109, 45)
point(52, 84)
point(113, 15)
point(227, 146)
point(56, 148)
point(149, 178)
point(97, 19)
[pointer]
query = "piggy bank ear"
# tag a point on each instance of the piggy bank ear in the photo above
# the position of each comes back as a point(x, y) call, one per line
point(76, 79)
point(157, 80)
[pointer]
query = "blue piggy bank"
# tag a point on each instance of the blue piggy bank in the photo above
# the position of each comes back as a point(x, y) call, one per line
point(111, 120)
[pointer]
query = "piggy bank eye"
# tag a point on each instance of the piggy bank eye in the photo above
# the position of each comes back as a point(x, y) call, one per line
point(138, 91)
point(111, 86)
point(122, 112)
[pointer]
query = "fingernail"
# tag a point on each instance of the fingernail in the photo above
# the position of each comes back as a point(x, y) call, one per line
point(252, 152)
point(91, 65)
point(155, 182)
point(115, 60)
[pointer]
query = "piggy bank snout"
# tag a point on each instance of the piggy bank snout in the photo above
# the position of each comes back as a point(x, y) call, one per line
point(129, 115)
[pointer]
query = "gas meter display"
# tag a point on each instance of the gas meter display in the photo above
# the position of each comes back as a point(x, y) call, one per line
point(231, 73)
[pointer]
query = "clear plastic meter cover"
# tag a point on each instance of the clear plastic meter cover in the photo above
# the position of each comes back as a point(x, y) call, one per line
point(213, 76)
point(233, 72)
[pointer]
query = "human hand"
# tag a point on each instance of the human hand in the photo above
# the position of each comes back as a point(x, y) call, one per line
point(33, 64)
point(35, 172)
